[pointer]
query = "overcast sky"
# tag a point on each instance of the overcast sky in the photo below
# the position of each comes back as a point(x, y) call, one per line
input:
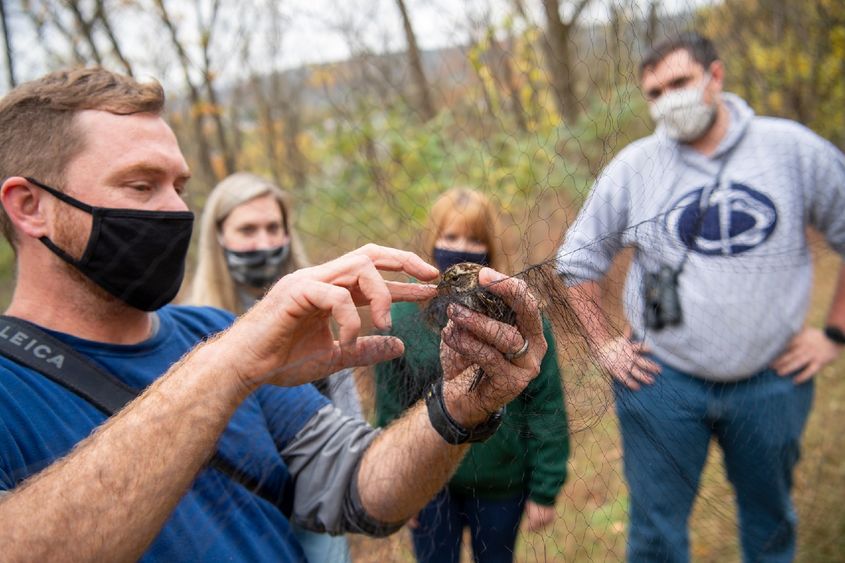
point(437, 22)
point(312, 31)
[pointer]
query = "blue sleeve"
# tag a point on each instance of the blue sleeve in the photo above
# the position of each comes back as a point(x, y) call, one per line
point(203, 321)
point(6, 481)
point(287, 409)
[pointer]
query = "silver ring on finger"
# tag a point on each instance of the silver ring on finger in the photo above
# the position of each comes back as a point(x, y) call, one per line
point(511, 356)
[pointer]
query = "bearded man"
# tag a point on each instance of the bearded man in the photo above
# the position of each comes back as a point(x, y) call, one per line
point(715, 204)
point(93, 179)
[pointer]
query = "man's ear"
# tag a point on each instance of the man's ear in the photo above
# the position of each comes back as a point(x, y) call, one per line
point(24, 204)
point(717, 72)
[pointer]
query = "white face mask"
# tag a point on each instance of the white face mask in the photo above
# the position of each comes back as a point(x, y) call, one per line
point(684, 113)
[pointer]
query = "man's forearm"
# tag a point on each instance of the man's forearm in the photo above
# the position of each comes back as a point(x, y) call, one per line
point(836, 314)
point(108, 499)
point(586, 300)
point(405, 467)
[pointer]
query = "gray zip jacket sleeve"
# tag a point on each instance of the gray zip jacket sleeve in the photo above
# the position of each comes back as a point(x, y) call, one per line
point(323, 460)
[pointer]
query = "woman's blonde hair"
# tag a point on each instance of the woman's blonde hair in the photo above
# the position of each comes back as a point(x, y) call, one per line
point(481, 217)
point(212, 284)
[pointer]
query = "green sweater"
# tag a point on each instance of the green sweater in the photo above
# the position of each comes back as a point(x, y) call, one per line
point(530, 450)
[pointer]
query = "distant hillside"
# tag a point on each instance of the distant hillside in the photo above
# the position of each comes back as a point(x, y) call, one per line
point(325, 86)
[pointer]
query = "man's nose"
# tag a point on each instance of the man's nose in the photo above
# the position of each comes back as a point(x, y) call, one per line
point(172, 201)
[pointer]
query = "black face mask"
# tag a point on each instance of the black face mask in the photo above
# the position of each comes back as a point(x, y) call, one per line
point(257, 268)
point(447, 258)
point(137, 256)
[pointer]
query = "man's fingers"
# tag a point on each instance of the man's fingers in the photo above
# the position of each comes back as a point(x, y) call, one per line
point(364, 351)
point(338, 302)
point(377, 294)
point(628, 380)
point(452, 361)
point(807, 373)
point(357, 271)
point(790, 363)
point(368, 350)
point(647, 365)
point(641, 347)
point(394, 260)
point(402, 291)
point(474, 350)
point(515, 293)
point(782, 360)
point(504, 337)
point(478, 352)
point(641, 376)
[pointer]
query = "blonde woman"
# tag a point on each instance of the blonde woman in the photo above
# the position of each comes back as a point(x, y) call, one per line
point(522, 467)
point(247, 242)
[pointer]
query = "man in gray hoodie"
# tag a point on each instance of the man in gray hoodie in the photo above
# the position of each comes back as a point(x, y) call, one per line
point(715, 204)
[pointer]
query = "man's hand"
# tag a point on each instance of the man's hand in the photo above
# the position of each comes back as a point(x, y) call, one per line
point(409, 462)
point(624, 360)
point(286, 338)
point(473, 340)
point(811, 350)
point(538, 516)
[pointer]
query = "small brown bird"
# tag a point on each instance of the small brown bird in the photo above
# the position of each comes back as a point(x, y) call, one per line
point(459, 284)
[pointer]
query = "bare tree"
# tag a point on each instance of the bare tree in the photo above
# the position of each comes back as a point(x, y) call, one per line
point(503, 69)
point(267, 130)
point(206, 32)
point(290, 105)
point(652, 22)
point(43, 16)
point(616, 41)
point(85, 26)
point(558, 45)
point(424, 99)
point(101, 14)
point(7, 40)
point(530, 54)
point(278, 97)
point(82, 29)
point(197, 112)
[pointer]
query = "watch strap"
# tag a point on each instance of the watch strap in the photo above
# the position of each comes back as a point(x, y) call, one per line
point(835, 334)
point(448, 427)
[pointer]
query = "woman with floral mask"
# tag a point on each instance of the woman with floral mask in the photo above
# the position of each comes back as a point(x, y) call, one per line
point(521, 467)
point(246, 244)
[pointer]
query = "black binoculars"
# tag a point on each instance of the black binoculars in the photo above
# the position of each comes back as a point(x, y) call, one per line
point(662, 304)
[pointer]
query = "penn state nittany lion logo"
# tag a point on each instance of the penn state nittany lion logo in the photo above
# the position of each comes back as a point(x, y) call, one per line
point(737, 219)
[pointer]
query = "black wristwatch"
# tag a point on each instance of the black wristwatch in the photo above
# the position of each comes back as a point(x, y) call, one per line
point(835, 334)
point(448, 428)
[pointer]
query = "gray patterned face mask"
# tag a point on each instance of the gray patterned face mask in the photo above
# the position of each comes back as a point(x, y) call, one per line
point(257, 268)
point(684, 113)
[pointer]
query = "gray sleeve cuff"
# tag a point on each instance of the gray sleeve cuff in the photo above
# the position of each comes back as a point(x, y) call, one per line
point(359, 518)
point(323, 460)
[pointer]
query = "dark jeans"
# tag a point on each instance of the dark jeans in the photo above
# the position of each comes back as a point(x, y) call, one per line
point(666, 431)
point(493, 527)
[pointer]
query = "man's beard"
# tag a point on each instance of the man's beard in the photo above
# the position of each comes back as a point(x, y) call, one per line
point(72, 237)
